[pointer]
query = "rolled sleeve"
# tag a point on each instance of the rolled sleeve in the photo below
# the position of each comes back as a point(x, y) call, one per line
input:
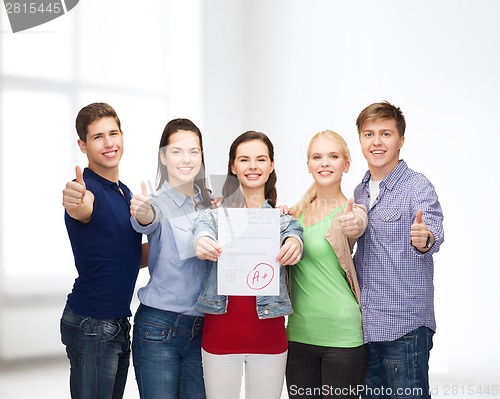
point(150, 228)
point(205, 225)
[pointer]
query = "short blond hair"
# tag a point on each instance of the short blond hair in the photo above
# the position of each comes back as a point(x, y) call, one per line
point(382, 110)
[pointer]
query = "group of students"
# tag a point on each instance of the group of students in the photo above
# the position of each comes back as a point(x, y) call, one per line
point(357, 325)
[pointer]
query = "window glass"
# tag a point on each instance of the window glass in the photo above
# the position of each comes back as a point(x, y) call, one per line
point(37, 146)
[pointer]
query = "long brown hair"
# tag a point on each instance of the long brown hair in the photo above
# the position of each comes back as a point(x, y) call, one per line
point(233, 197)
point(162, 173)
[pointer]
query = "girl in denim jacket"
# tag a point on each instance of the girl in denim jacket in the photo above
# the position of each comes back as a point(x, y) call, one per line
point(247, 330)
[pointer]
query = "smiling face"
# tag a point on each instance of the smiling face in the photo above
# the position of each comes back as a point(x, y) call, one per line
point(104, 147)
point(182, 158)
point(380, 142)
point(326, 162)
point(252, 166)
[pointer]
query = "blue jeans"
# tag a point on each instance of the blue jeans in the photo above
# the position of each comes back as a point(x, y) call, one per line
point(399, 369)
point(99, 355)
point(166, 350)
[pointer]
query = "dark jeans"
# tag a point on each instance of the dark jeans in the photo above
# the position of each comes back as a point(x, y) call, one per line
point(166, 350)
point(400, 369)
point(324, 372)
point(99, 355)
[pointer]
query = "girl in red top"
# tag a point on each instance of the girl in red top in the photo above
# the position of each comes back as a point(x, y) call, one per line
point(236, 335)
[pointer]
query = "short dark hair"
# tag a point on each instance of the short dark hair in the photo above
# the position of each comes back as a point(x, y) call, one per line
point(91, 113)
point(382, 110)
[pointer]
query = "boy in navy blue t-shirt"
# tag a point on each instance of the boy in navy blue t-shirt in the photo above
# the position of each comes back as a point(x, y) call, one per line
point(94, 326)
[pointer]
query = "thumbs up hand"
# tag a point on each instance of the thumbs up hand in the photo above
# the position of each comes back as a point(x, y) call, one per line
point(74, 192)
point(77, 200)
point(350, 224)
point(421, 237)
point(140, 206)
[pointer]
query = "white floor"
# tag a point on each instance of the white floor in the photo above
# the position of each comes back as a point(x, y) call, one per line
point(48, 379)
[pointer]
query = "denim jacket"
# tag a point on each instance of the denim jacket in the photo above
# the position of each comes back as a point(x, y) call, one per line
point(267, 306)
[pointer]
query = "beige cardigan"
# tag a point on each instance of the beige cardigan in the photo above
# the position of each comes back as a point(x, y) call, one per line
point(343, 247)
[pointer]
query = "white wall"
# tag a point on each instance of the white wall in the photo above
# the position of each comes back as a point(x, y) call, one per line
point(292, 68)
point(288, 68)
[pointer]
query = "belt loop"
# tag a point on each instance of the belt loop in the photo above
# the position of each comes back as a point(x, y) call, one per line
point(196, 324)
point(176, 324)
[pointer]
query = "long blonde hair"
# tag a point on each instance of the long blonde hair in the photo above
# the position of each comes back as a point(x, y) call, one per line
point(311, 193)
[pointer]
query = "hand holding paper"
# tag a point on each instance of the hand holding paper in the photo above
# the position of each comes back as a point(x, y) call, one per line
point(250, 239)
point(207, 249)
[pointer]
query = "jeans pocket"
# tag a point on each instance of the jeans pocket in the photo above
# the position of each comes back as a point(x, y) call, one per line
point(398, 377)
point(401, 366)
point(109, 329)
point(69, 327)
point(71, 337)
point(152, 333)
point(100, 330)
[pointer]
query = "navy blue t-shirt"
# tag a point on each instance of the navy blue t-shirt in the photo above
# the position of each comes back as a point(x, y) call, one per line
point(107, 252)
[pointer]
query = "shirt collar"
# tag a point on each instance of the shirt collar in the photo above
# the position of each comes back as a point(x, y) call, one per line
point(177, 196)
point(103, 181)
point(392, 178)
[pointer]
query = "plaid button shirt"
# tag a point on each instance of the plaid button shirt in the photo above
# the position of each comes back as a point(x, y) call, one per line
point(396, 280)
